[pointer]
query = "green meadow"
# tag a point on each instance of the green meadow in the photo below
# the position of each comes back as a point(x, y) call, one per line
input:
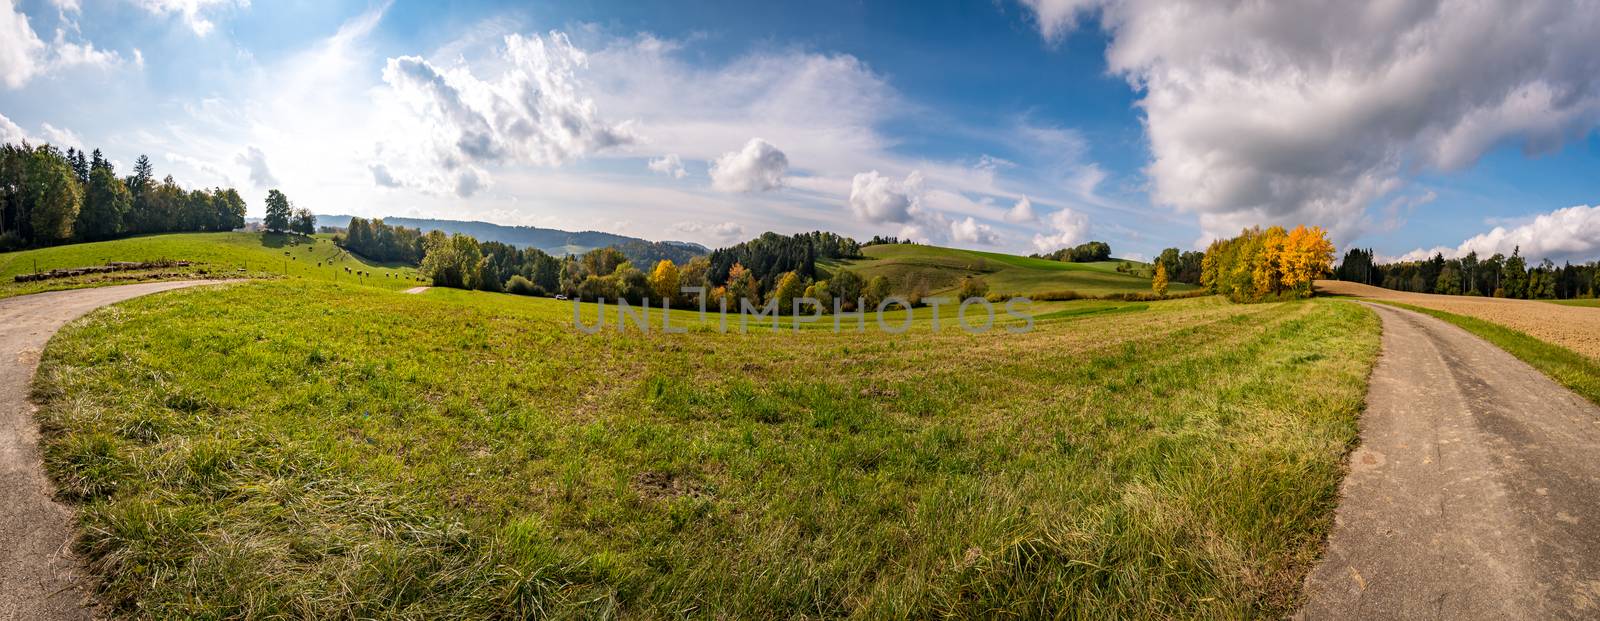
point(941, 269)
point(213, 255)
point(315, 449)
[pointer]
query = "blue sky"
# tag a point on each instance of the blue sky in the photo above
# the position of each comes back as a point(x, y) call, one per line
point(1012, 125)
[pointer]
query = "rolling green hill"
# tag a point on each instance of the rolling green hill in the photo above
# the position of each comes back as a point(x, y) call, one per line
point(211, 255)
point(942, 268)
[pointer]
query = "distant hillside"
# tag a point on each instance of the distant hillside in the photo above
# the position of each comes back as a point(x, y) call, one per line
point(940, 269)
point(554, 241)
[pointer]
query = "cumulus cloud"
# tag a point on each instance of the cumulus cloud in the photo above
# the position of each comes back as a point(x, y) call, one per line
point(11, 132)
point(23, 55)
point(670, 165)
point(256, 162)
point(878, 199)
point(382, 177)
point(758, 167)
point(1066, 228)
point(534, 112)
point(1021, 212)
point(20, 48)
point(61, 137)
point(193, 12)
point(469, 182)
point(1057, 17)
point(1570, 234)
point(1271, 112)
point(973, 232)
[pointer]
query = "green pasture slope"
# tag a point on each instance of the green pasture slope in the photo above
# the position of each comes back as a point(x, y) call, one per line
point(231, 255)
point(298, 448)
point(943, 268)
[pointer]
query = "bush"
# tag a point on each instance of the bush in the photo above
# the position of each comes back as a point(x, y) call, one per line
point(522, 286)
point(1065, 295)
point(972, 287)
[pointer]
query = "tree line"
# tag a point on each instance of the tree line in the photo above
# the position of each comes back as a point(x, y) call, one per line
point(1087, 252)
point(768, 257)
point(785, 269)
point(1497, 276)
point(1266, 264)
point(50, 197)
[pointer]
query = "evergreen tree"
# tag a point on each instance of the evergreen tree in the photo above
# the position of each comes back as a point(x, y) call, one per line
point(105, 205)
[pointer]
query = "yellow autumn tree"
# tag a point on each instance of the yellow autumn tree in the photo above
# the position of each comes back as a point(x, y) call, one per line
point(1308, 255)
point(664, 280)
point(790, 286)
point(1158, 284)
point(742, 286)
point(1265, 263)
point(1266, 271)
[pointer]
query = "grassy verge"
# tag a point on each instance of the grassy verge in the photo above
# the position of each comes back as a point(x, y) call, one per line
point(1595, 303)
point(1568, 368)
point(295, 449)
point(213, 255)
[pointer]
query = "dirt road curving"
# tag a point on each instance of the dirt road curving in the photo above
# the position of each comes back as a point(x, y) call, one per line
point(1475, 493)
point(1573, 327)
point(38, 576)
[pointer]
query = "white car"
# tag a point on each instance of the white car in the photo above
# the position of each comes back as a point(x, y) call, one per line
point(560, 297)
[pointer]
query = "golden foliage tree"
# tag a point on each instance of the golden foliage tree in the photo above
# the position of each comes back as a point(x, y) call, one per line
point(664, 280)
point(1263, 263)
point(789, 287)
point(1158, 284)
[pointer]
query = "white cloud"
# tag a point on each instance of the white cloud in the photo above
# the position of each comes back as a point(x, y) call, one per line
point(67, 6)
point(1067, 228)
point(670, 165)
point(209, 174)
point(1021, 212)
point(534, 112)
point(381, 176)
point(193, 12)
point(972, 232)
point(1570, 234)
point(10, 132)
point(1271, 112)
point(23, 55)
point(253, 159)
point(758, 167)
point(1057, 17)
point(20, 48)
point(721, 233)
point(878, 199)
point(61, 137)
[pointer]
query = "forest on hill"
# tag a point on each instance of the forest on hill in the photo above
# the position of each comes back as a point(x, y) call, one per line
point(50, 197)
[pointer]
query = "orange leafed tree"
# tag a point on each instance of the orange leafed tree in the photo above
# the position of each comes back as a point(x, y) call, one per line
point(1308, 255)
point(1262, 264)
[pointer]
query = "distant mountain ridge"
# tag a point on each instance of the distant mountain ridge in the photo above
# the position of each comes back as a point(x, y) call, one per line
point(553, 241)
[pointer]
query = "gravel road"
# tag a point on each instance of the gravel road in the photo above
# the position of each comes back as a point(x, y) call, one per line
point(1475, 493)
point(1574, 327)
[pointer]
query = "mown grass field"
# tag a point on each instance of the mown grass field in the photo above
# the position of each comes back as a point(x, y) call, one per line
point(943, 268)
point(1591, 302)
point(229, 255)
point(318, 450)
